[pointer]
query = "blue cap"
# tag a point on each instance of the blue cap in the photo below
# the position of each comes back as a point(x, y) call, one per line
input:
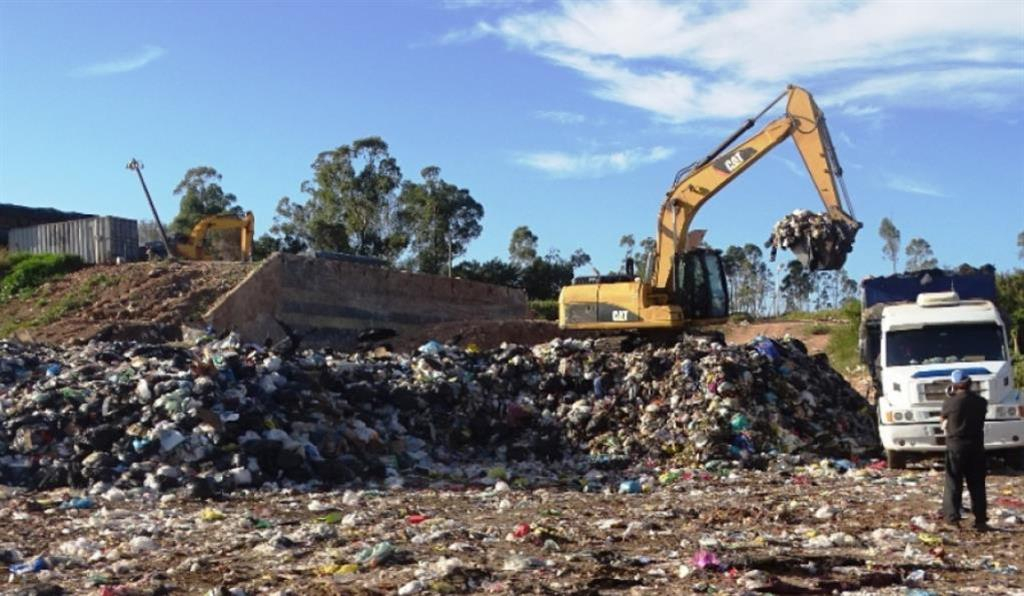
point(959, 377)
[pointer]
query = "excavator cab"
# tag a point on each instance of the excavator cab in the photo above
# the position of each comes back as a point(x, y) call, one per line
point(700, 286)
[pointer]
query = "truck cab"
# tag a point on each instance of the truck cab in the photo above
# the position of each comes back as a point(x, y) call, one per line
point(915, 346)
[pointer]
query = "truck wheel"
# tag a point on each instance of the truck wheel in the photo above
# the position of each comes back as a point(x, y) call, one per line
point(897, 460)
point(1015, 458)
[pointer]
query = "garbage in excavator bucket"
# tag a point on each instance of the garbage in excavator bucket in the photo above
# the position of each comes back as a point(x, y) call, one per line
point(816, 240)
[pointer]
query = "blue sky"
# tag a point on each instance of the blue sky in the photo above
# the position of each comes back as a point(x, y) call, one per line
point(571, 118)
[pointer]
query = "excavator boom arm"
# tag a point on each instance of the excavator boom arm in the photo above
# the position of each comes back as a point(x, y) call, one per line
point(804, 122)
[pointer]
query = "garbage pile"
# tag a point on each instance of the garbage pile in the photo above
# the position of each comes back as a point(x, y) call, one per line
point(222, 415)
point(815, 239)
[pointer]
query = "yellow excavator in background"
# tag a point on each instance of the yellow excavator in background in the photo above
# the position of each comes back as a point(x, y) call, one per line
point(687, 283)
point(194, 247)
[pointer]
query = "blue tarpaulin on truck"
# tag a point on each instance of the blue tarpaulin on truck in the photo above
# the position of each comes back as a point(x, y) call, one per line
point(906, 287)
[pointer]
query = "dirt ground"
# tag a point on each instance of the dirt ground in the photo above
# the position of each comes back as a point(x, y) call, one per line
point(134, 301)
point(809, 530)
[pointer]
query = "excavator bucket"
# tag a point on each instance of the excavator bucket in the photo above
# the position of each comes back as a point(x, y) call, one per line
point(820, 256)
point(817, 241)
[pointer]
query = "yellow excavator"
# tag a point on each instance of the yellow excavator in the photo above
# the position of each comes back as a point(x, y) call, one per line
point(194, 247)
point(686, 284)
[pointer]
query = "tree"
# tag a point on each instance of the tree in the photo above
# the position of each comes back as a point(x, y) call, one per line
point(1010, 293)
point(579, 258)
point(832, 288)
point(891, 241)
point(201, 196)
point(440, 220)
point(522, 247)
point(351, 204)
point(627, 242)
point(646, 260)
point(543, 278)
point(749, 278)
point(266, 245)
point(494, 271)
point(919, 255)
point(797, 286)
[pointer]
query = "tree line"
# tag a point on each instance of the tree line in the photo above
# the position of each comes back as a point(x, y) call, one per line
point(357, 201)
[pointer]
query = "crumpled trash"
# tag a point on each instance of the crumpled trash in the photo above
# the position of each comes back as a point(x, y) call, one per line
point(34, 566)
point(815, 239)
point(376, 555)
point(630, 487)
point(704, 559)
point(78, 503)
point(222, 416)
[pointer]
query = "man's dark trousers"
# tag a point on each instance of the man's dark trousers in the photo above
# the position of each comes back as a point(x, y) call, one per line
point(965, 462)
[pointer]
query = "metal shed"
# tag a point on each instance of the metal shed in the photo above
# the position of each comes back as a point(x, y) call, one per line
point(96, 239)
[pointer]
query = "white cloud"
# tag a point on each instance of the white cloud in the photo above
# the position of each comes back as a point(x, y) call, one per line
point(860, 111)
point(690, 61)
point(991, 87)
point(904, 184)
point(458, 36)
point(560, 117)
point(591, 165)
point(796, 169)
point(476, 4)
point(121, 65)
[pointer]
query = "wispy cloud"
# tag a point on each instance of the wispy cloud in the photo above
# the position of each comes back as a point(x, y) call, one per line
point(794, 168)
point(669, 58)
point(859, 110)
point(591, 165)
point(474, 4)
point(917, 187)
point(121, 65)
point(459, 36)
point(560, 117)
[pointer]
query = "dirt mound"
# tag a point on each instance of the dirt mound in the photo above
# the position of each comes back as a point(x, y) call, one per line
point(135, 301)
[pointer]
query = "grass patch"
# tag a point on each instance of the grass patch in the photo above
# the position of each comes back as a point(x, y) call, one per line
point(545, 309)
point(21, 273)
point(73, 300)
point(819, 329)
point(843, 348)
point(832, 315)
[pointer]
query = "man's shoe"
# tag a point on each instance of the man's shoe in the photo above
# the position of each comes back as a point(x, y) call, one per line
point(982, 527)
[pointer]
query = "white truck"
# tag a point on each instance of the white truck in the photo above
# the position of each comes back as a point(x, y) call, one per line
point(916, 329)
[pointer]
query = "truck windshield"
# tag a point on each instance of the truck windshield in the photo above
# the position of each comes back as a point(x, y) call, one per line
point(944, 343)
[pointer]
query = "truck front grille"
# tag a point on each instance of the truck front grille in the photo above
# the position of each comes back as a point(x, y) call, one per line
point(936, 390)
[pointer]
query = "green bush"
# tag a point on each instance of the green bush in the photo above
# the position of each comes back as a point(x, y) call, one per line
point(544, 309)
point(843, 349)
point(21, 271)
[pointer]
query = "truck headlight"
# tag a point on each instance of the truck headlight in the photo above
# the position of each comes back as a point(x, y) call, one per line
point(1001, 412)
point(897, 416)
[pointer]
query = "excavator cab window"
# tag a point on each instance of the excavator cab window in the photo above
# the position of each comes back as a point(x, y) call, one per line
point(700, 285)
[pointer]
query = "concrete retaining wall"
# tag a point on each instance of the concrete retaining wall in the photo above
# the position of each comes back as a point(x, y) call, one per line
point(329, 303)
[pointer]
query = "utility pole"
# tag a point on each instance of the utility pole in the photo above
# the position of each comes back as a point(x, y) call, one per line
point(135, 165)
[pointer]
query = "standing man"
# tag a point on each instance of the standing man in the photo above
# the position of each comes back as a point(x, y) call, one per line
point(963, 420)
